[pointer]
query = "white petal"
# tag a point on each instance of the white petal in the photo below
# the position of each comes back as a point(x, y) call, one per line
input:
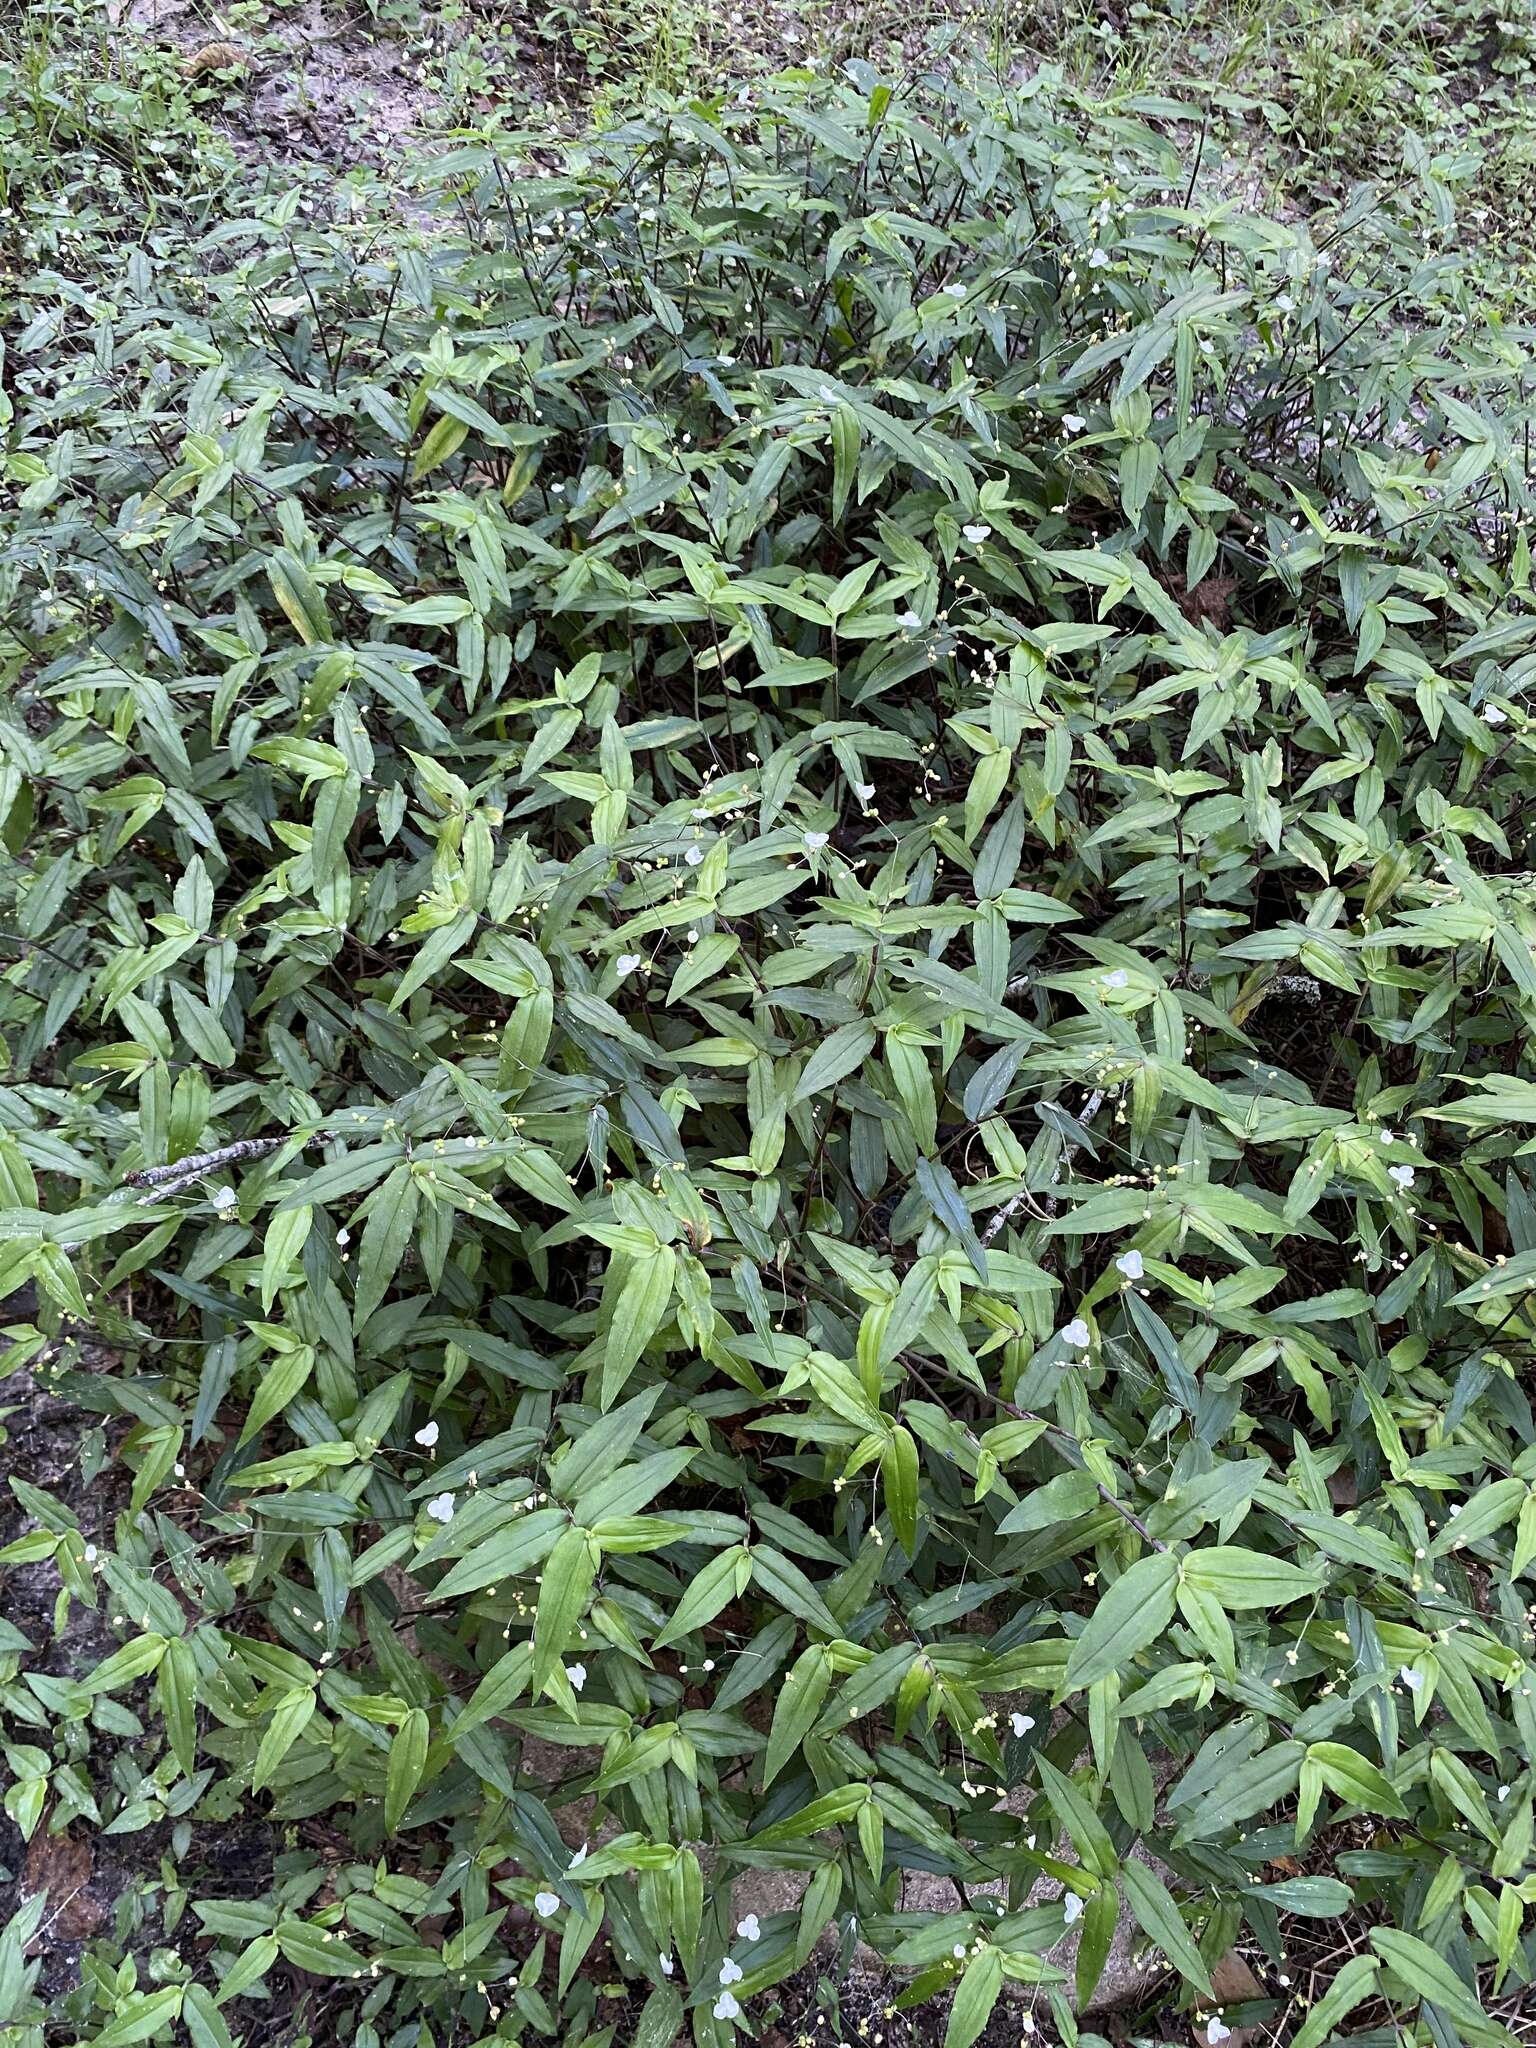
point(976, 534)
point(577, 1674)
point(911, 620)
point(426, 1436)
point(954, 291)
point(1216, 2031)
point(667, 1965)
point(1076, 1334)
point(694, 856)
point(1130, 1265)
point(1492, 715)
point(815, 841)
point(1072, 1906)
point(545, 1903)
point(1118, 978)
point(1073, 422)
point(1403, 1175)
point(628, 962)
point(579, 1858)
point(863, 791)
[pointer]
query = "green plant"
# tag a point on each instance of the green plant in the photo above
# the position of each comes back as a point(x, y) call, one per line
point(770, 957)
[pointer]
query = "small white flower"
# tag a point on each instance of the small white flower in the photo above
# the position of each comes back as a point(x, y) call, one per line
point(1022, 1723)
point(976, 534)
point(954, 291)
point(343, 1239)
point(911, 621)
point(667, 1965)
point(748, 1929)
point(815, 841)
point(1130, 1265)
point(1503, 1793)
point(1492, 715)
point(1073, 422)
point(1403, 1175)
point(426, 1436)
point(1116, 978)
point(1098, 260)
point(577, 1674)
point(731, 1972)
point(225, 1199)
point(1072, 1906)
point(863, 791)
point(1076, 1334)
point(1387, 1137)
point(440, 1507)
point(694, 855)
point(958, 1950)
point(1455, 1509)
point(726, 2008)
point(90, 1553)
point(579, 1858)
point(1414, 1680)
point(1216, 2031)
point(545, 1903)
point(628, 962)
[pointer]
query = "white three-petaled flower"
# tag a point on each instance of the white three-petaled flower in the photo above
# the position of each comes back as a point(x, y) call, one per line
point(748, 1929)
point(628, 962)
point(1218, 2030)
point(1076, 1334)
point(726, 2008)
point(440, 1507)
point(577, 1674)
point(1403, 1175)
point(1130, 1265)
point(1072, 1906)
point(731, 1972)
point(976, 534)
point(1022, 1723)
point(545, 1903)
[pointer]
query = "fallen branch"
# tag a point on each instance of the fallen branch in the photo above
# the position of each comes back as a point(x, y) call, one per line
point(163, 1181)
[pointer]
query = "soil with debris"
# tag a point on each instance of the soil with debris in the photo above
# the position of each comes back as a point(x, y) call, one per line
point(322, 84)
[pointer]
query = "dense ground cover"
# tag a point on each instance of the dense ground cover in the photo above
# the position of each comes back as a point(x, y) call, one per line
point(769, 948)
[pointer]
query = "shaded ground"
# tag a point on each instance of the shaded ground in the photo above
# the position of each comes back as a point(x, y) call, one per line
point(98, 1884)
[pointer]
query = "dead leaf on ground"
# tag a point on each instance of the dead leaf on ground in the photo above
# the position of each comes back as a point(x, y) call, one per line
point(61, 1866)
point(1233, 1983)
